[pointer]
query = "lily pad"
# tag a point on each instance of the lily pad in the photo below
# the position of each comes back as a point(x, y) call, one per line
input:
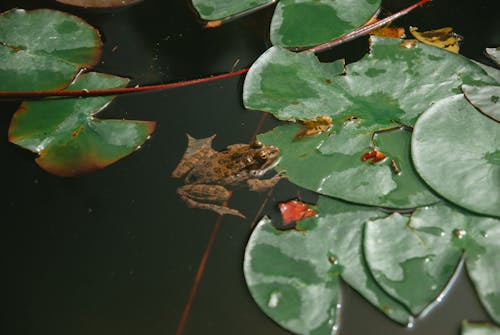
point(494, 53)
point(68, 138)
point(392, 83)
point(98, 3)
point(220, 9)
point(346, 223)
point(44, 49)
point(291, 278)
point(413, 257)
point(482, 245)
point(456, 150)
point(475, 328)
point(484, 98)
point(302, 23)
point(339, 170)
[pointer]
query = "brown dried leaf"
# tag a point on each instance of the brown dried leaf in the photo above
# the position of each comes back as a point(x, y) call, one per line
point(315, 126)
point(443, 38)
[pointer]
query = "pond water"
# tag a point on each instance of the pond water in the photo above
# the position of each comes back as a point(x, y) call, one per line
point(116, 251)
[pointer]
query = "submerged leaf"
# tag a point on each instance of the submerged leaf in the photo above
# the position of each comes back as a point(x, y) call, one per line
point(68, 138)
point(98, 3)
point(302, 23)
point(413, 258)
point(456, 150)
point(44, 49)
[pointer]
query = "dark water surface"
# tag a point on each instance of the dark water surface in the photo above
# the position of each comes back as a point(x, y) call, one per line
point(115, 252)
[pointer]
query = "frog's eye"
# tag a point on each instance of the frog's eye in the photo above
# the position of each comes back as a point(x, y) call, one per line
point(262, 155)
point(257, 144)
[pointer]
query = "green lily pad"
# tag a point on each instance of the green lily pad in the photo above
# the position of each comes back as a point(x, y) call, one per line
point(291, 278)
point(456, 150)
point(302, 23)
point(482, 245)
point(494, 53)
point(339, 170)
point(346, 223)
point(44, 49)
point(413, 257)
point(484, 98)
point(392, 83)
point(68, 138)
point(474, 328)
point(220, 9)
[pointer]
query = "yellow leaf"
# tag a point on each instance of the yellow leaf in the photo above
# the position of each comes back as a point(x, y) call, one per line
point(313, 127)
point(443, 38)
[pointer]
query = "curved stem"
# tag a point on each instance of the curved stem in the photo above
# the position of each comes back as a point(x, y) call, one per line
point(115, 91)
point(364, 29)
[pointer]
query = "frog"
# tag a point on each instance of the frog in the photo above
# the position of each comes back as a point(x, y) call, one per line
point(211, 176)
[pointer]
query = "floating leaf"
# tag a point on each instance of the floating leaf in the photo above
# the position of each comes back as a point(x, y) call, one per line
point(443, 38)
point(456, 150)
point(313, 127)
point(295, 210)
point(291, 278)
point(482, 244)
point(67, 136)
point(484, 98)
point(346, 222)
point(302, 23)
point(44, 49)
point(220, 9)
point(98, 3)
point(475, 328)
point(392, 83)
point(393, 32)
point(413, 257)
point(339, 170)
point(494, 53)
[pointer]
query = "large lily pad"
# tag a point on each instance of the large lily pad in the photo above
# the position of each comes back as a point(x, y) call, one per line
point(291, 278)
point(66, 135)
point(44, 49)
point(484, 98)
point(456, 150)
point(413, 257)
point(392, 83)
point(301, 23)
point(482, 245)
point(220, 9)
point(339, 170)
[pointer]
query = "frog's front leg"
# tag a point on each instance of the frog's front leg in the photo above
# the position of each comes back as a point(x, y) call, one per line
point(259, 185)
point(211, 197)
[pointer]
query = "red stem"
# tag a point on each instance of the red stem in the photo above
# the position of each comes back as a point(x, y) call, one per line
point(114, 91)
point(365, 29)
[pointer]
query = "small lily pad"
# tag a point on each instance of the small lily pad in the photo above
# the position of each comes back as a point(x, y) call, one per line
point(44, 49)
point(476, 328)
point(494, 53)
point(456, 150)
point(484, 98)
point(220, 9)
point(68, 138)
point(302, 23)
point(482, 245)
point(413, 257)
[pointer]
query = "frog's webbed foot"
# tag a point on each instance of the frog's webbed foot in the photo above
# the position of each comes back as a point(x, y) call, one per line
point(196, 150)
point(209, 197)
point(259, 185)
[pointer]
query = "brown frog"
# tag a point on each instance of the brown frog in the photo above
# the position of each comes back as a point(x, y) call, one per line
point(209, 172)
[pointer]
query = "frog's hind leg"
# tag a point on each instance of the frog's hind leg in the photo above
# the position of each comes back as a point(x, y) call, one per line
point(197, 149)
point(211, 197)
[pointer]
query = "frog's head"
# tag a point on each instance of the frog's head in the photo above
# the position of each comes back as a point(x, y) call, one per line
point(266, 157)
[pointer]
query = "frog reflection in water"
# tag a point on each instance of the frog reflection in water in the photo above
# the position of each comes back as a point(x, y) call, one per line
point(209, 172)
